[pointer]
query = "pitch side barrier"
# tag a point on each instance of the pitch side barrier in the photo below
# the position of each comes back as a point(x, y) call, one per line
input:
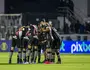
point(72, 47)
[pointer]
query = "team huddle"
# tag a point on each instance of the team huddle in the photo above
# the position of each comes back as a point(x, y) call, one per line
point(30, 40)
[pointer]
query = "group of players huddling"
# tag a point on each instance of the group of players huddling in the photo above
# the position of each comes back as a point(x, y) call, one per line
point(30, 40)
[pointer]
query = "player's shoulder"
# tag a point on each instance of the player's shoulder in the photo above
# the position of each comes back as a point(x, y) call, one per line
point(34, 27)
point(54, 28)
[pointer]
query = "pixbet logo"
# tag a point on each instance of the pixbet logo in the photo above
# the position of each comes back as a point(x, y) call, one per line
point(62, 47)
point(77, 47)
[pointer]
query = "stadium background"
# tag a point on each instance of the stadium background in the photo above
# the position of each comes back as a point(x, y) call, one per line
point(75, 49)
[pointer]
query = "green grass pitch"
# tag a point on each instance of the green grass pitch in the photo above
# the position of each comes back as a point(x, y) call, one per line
point(69, 62)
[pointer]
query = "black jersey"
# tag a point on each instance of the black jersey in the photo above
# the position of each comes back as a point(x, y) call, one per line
point(55, 34)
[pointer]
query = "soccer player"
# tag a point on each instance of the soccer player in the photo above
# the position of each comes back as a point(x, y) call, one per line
point(22, 43)
point(26, 40)
point(44, 41)
point(16, 42)
point(14, 38)
point(33, 50)
point(56, 44)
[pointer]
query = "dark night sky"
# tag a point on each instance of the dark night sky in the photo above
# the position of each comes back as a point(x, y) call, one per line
point(17, 6)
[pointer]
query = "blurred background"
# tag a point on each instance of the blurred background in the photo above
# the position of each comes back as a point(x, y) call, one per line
point(69, 17)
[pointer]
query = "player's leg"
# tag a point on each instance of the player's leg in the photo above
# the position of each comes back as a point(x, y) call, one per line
point(39, 53)
point(53, 50)
point(43, 47)
point(29, 53)
point(44, 51)
point(58, 51)
point(48, 52)
point(24, 55)
point(32, 51)
point(32, 54)
point(35, 53)
point(58, 55)
point(12, 49)
point(53, 55)
point(25, 46)
point(35, 49)
point(19, 56)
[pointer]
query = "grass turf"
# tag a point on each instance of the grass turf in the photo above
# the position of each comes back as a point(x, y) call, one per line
point(69, 62)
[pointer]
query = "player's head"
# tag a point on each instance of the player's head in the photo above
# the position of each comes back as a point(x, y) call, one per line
point(22, 28)
point(28, 28)
point(44, 26)
point(43, 20)
point(50, 23)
